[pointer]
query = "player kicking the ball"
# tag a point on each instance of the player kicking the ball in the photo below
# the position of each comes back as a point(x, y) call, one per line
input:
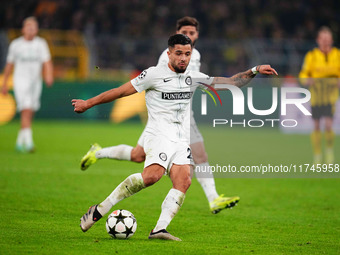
point(190, 27)
point(168, 92)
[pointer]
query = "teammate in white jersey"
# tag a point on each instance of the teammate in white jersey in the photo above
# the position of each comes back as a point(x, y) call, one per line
point(168, 92)
point(28, 54)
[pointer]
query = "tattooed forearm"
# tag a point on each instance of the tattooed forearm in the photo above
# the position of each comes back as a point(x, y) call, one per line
point(238, 80)
point(243, 78)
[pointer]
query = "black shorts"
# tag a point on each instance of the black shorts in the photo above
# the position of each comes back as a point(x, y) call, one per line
point(322, 111)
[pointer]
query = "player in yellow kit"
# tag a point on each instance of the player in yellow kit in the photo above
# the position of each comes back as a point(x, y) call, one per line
point(321, 73)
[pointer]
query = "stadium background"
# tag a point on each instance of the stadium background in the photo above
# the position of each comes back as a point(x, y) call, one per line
point(97, 45)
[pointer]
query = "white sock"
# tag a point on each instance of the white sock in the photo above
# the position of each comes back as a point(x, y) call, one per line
point(128, 187)
point(121, 152)
point(28, 139)
point(20, 138)
point(170, 206)
point(207, 181)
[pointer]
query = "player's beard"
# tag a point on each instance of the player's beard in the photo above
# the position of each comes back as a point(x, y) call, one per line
point(179, 69)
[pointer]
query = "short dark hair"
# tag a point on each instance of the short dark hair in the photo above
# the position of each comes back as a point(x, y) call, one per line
point(187, 21)
point(179, 39)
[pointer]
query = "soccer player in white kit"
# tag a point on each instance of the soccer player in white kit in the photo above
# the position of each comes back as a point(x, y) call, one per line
point(168, 91)
point(190, 27)
point(28, 54)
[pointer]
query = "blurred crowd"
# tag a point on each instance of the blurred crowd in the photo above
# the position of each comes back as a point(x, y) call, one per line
point(234, 34)
point(232, 19)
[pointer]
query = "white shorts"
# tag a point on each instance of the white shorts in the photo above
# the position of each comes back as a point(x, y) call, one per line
point(141, 139)
point(164, 152)
point(27, 94)
point(195, 134)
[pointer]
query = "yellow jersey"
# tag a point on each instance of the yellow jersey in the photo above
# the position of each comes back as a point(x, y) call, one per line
point(325, 69)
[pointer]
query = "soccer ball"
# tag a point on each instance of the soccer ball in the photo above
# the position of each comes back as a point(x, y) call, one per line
point(121, 224)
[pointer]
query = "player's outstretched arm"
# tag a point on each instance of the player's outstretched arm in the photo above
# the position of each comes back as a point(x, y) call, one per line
point(243, 78)
point(81, 106)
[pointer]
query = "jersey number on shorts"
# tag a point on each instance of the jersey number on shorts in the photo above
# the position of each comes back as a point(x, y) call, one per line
point(189, 151)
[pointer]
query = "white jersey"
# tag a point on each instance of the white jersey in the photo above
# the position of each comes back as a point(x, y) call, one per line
point(194, 64)
point(28, 57)
point(168, 100)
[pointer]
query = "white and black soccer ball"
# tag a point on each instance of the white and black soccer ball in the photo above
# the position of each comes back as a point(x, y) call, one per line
point(121, 224)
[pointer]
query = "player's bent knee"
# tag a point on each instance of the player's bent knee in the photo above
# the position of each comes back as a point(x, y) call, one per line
point(151, 179)
point(183, 185)
point(137, 158)
point(152, 174)
point(138, 154)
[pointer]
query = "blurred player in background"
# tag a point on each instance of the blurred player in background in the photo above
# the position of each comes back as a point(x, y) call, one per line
point(321, 73)
point(188, 26)
point(28, 55)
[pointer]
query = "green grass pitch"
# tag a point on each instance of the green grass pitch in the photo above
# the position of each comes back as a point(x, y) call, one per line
point(44, 194)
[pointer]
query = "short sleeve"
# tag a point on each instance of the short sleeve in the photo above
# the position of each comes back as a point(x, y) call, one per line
point(144, 80)
point(45, 52)
point(200, 79)
point(11, 53)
